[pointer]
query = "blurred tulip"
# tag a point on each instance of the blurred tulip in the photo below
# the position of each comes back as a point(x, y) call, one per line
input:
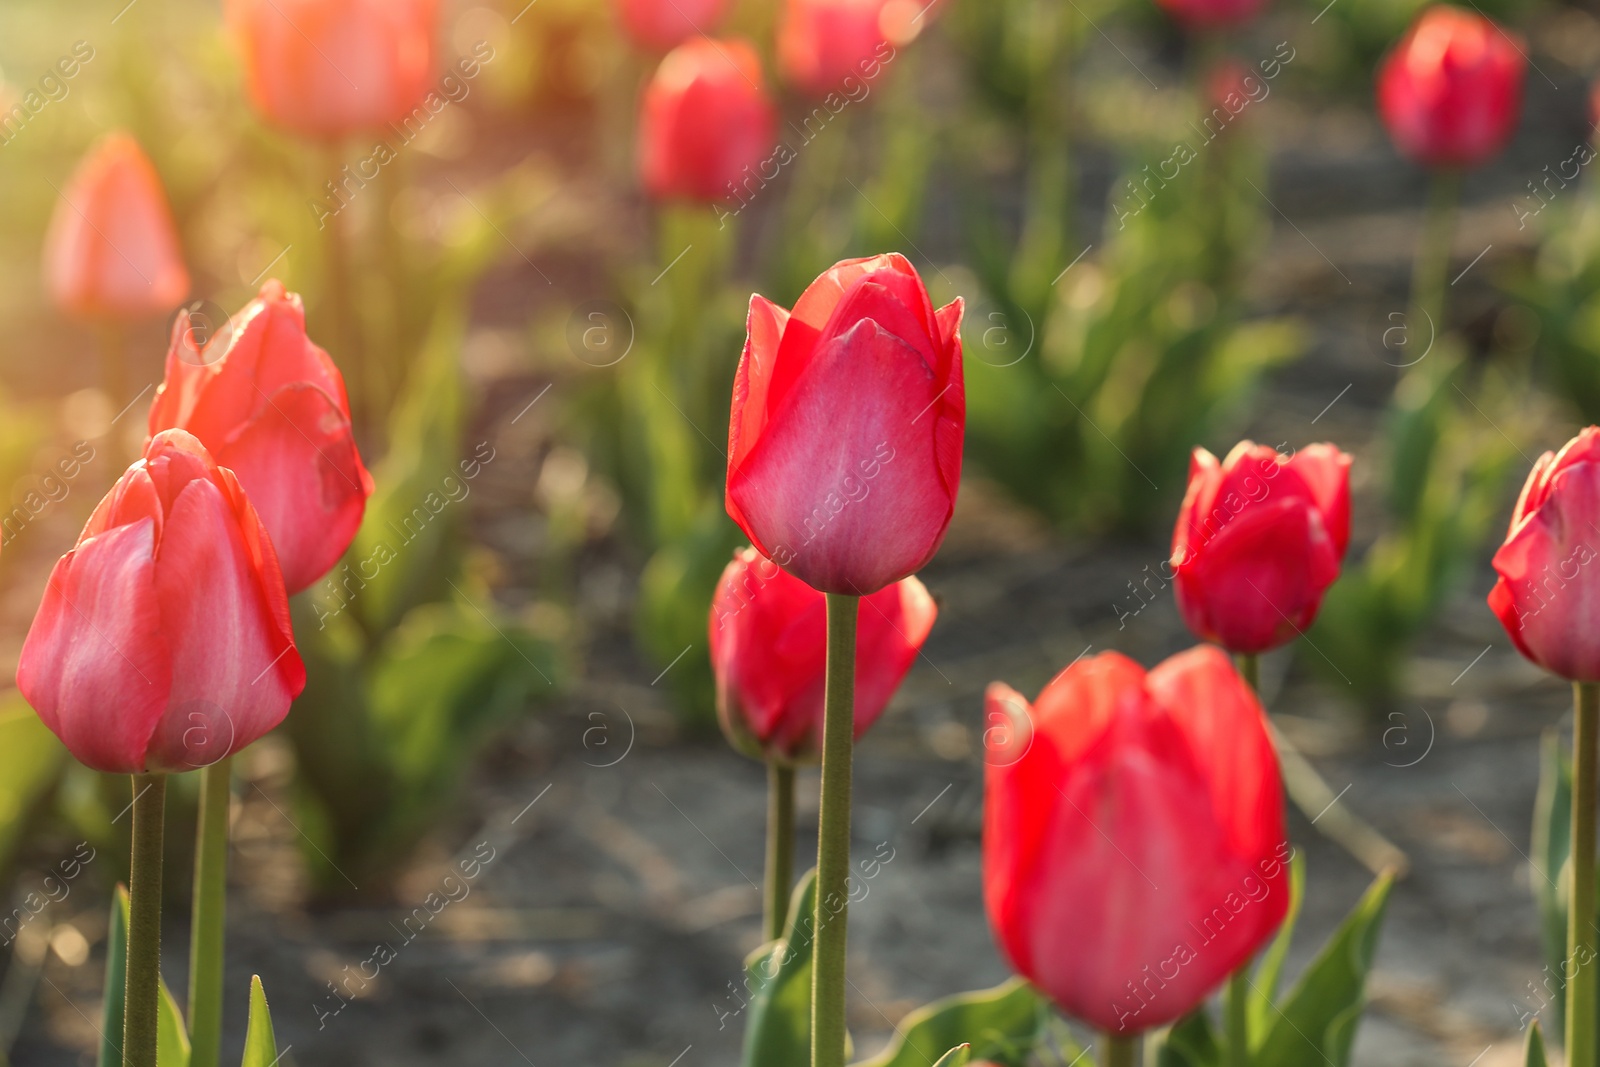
point(1212, 14)
point(657, 25)
point(1259, 539)
point(844, 441)
point(163, 641)
point(326, 69)
point(823, 43)
point(769, 647)
point(1451, 90)
point(112, 249)
point(1545, 598)
point(1134, 847)
point(705, 121)
point(271, 407)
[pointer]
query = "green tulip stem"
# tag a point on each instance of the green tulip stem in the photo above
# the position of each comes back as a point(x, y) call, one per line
point(210, 911)
point(113, 340)
point(1581, 962)
point(1250, 670)
point(1118, 1051)
point(1432, 262)
point(143, 989)
point(833, 836)
point(780, 846)
point(1238, 1002)
point(345, 326)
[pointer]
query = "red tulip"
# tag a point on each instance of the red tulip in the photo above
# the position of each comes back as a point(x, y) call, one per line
point(769, 646)
point(657, 25)
point(163, 642)
point(1133, 842)
point(1451, 90)
point(330, 68)
point(271, 406)
point(824, 43)
point(1259, 539)
point(844, 442)
point(705, 121)
point(1547, 598)
point(112, 250)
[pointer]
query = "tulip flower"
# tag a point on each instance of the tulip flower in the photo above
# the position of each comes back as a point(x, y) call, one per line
point(824, 43)
point(112, 250)
point(1259, 539)
point(705, 122)
point(1451, 90)
point(768, 644)
point(657, 25)
point(271, 406)
point(844, 441)
point(325, 69)
point(163, 641)
point(1134, 847)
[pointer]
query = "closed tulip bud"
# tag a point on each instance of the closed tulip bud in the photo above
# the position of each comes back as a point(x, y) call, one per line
point(1134, 851)
point(844, 441)
point(769, 651)
point(705, 124)
point(1451, 90)
point(1547, 592)
point(824, 44)
point(271, 406)
point(1259, 539)
point(326, 69)
point(657, 25)
point(112, 250)
point(163, 641)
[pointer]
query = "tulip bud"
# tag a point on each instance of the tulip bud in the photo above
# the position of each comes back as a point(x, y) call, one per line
point(769, 646)
point(1546, 590)
point(822, 44)
point(326, 69)
point(1451, 90)
point(844, 442)
point(705, 124)
point(271, 406)
point(112, 250)
point(1259, 539)
point(1134, 848)
point(657, 25)
point(163, 641)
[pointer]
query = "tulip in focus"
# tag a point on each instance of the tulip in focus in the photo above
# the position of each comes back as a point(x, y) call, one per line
point(769, 649)
point(705, 121)
point(1451, 90)
point(1548, 595)
point(1259, 539)
point(657, 25)
point(822, 44)
point(163, 641)
point(844, 442)
point(112, 249)
point(1134, 850)
point(325, 69)
point(271, 406)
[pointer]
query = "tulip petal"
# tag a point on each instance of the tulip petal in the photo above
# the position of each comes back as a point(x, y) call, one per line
point(298, 462)
point(96, 664)
point(234, 670)
point(764, 329)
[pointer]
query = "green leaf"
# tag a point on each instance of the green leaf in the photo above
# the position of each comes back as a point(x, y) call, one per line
point(1190, 1042)
point(956, 1057)
point(1264, 986)
point(779, 975)
point(1533, 1056)
point(1001, 1024)
point(30, 757)
point(1318, 1018)
point(1552, 845)
point(172, 1036)
point(260, 1044)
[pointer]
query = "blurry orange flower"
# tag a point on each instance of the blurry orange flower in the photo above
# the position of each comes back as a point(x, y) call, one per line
point(330, 68)
point(112, 250)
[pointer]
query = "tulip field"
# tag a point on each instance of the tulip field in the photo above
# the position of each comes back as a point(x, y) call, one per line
point(799, 533)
